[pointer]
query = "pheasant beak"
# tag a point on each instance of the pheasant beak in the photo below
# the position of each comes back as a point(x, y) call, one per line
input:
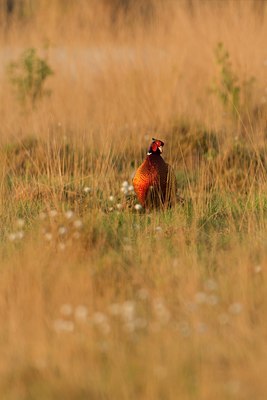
point(160, 149)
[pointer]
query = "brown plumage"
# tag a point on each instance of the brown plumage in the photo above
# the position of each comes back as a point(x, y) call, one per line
point(154, 182)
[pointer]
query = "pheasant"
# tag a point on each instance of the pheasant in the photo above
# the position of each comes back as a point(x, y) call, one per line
point(154, 181)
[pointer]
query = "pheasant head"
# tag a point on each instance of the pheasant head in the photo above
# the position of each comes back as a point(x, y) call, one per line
point(156, 147)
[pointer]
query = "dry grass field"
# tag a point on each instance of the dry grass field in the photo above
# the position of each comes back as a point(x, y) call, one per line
point(100, 300)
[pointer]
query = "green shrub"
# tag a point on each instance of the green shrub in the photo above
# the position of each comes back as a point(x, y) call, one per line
point(227, 89)
point(233, 94)
point(28, 76)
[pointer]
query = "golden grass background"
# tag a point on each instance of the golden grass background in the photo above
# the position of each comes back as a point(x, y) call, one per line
point(133, 305)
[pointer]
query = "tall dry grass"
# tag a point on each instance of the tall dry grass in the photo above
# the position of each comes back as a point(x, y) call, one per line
point(109, 302)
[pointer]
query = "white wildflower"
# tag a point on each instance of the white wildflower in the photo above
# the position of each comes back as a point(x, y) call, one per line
point(161, 311)
point(99, 318)
point(125, 184)
point(81, 313)
point(119, 206)
point(210, 285)
point(61, 325)
point(133, 324)
point(138, 207)
point(87, 189)
point(124, 190)
point(69, 214)
point(101, 321)
point(20, 223)
point(128, 310)
point(12, 237)
point(257, 269)
point(111, 198)
point(235, 308)
point(42, 216)
point(19, 235)
point(48, 236)
point(52, 213)
point(62, 230)
point(77, 224)
point(61, 246)
point(212, 300)
point(200, 298)
point(66, 310)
